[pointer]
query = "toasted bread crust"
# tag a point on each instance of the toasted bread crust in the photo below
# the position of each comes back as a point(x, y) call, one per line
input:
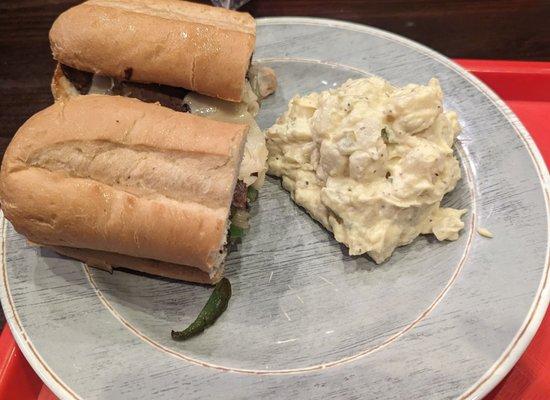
point(201, 48)
point(118, 175)
point(109, 261)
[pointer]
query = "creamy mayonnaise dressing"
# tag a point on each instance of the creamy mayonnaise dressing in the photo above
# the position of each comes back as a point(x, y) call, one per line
point(371, 162)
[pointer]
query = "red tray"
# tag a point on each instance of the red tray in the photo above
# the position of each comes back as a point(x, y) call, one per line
point(525, 87)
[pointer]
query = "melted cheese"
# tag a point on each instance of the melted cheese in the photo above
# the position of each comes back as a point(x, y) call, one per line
point(371, 162)
point(253, 166)
point(101, 85)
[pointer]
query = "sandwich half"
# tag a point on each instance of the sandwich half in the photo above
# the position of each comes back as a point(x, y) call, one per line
point(116, 182)
point(188, 57)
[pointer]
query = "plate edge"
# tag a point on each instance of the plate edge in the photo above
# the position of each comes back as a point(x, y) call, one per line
point(48, 377)
point(537, 311)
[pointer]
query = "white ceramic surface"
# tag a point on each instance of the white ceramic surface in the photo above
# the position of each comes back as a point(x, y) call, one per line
point(439, 320)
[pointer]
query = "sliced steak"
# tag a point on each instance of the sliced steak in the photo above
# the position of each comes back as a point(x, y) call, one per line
point(81, 80)
point(239, 196)
point(168, 96)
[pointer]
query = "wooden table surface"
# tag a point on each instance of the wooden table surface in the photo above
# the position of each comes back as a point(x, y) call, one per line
point(501, 29)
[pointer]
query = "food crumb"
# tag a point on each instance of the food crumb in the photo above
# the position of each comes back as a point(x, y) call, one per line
point(485, 232)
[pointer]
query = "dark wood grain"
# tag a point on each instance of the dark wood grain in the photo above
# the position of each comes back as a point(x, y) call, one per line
point(494, 29)
point(506, 29)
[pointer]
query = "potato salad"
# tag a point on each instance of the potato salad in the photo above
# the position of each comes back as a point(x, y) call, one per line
point(371, 162)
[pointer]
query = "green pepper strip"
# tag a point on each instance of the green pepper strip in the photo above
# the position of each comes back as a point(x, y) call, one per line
point(236, 232)
point(251, 194)
point(215, 306)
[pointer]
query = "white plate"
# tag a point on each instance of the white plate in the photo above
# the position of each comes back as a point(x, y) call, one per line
point(439, 320)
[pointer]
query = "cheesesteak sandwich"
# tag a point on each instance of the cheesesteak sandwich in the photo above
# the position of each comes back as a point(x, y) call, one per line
point(116, 182)
point(188, 57)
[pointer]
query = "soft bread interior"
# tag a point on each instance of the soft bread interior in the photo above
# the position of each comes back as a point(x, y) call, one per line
point(62, 88)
